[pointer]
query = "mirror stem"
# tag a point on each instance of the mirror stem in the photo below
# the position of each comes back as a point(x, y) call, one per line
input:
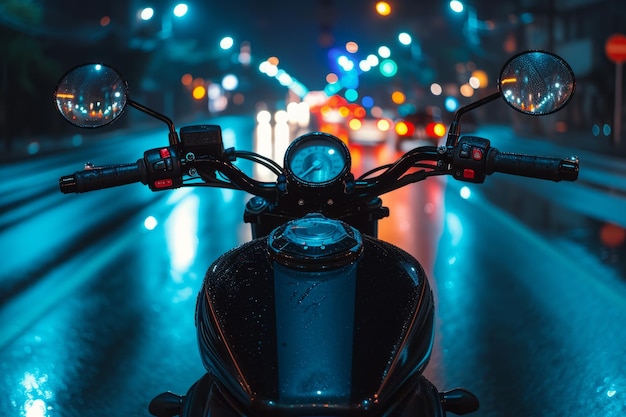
point(173, 136)
point(455, 130)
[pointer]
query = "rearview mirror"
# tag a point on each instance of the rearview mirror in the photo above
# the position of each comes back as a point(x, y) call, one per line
point(536, 82)
point(91, 95)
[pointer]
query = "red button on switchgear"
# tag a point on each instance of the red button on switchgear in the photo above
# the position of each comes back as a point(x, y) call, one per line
point(165, 153)
point(468, 174)
point(477, 154)
point(163, 183)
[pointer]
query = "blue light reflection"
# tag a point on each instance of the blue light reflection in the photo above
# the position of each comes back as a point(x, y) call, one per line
point(455, 228)
point(181, 229)
point(36, 395)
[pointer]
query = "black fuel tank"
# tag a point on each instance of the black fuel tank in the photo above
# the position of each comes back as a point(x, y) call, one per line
point(284, 324)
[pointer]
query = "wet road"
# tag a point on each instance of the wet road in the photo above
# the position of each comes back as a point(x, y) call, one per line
point(96, 310)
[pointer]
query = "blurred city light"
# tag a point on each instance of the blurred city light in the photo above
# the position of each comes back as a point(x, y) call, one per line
point(146, 13)
point(165, 32)
point(466, 90)
point(299, 113)
point(456, 6)
point(383, 125)
point(230, 82)
point(472, 25)
point(214, 91)
point(351, 94)
point(372, 60)
point(367, 101)
point(481, 78)
point(263, 116)
point(403, 128)
point(404, 38)
point(436, 129)
point(186, 79)
point(465, 192)
point(398, 97)
point(245, 54)
point(267, 68)
point(284, 78)
point(352, 47)
point(388, 68)
point(451, 104)
point(364, 66)
point(598, 130)
point(227, 42)
point(355, 124)
point(199, 92)
point(345, 63)
point(217, 99)
point(383, 8)
point(281, 135)
point(180, 9)
point(332, 89)
point(384, 52)
point(263, 143)
point(377, 111)
point(270, 68)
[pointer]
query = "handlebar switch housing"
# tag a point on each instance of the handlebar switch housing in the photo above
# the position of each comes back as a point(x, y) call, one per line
point(163, 168)
point(469, 161)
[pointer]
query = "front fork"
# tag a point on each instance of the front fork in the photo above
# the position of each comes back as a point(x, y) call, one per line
point(264, 217)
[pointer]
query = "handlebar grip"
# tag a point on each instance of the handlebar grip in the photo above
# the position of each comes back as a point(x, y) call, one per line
point(554, 169)
point(102, 177)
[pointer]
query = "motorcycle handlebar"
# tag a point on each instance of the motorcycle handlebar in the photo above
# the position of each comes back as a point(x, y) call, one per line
point(554, 169)
point(473, 159)
point(103, 177)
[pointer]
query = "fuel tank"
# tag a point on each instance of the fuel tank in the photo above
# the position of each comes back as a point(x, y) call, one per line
point(315, 319)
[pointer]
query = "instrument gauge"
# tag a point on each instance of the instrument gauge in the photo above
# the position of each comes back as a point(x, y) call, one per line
point(317, 159)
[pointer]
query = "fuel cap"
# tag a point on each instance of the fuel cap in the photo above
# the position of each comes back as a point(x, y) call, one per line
point(315, 242)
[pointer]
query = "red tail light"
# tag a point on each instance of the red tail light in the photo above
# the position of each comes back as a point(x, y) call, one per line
point(405, 129)
point(436, 130)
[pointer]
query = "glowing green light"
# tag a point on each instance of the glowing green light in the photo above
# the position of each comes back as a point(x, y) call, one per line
point(388, 68)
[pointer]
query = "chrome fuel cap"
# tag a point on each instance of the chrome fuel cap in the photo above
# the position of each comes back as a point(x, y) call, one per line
point(315, 242)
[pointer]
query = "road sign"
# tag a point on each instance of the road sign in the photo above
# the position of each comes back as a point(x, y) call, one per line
point(615, 48)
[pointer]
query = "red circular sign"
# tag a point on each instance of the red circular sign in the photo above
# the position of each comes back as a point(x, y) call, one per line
point(615, 48)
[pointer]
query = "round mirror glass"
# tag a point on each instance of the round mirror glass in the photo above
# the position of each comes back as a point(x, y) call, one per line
point(91, 95)
point(537, 82)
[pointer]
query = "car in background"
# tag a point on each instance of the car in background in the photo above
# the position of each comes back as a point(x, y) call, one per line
point(419, 128)
point(369, 130)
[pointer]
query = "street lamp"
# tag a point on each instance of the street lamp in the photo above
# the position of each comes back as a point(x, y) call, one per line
point(146, 13)
point(473, 25)
point(383, 8)
point(456, 6)
point(405, 39)
point(179, 10)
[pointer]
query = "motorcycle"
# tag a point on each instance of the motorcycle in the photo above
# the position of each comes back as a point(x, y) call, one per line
point(315, 316)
